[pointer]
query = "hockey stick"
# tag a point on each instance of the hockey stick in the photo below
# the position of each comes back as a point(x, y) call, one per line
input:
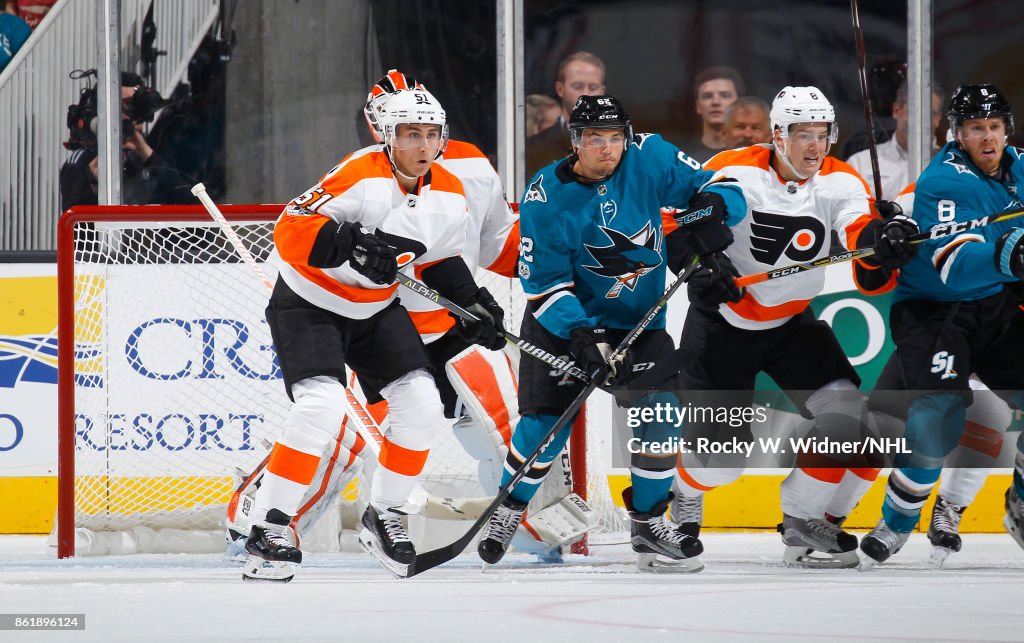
point(865, 92)
point(421, 289)
point(937, 232)
point(532, 350)
point(441, 555)
point(437, 506)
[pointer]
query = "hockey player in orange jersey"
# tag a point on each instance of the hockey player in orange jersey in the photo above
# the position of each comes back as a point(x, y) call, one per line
point(796, 197)
point(338, 247)
point(492, 243)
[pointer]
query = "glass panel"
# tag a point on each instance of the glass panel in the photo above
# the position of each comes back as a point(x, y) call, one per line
point(655, 53)
point(296, 92)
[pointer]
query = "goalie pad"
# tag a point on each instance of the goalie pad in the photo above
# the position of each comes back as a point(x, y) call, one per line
point(339, 464)
point(487, 387)
point(485, 383)
point(562, 523)
point(488, 390)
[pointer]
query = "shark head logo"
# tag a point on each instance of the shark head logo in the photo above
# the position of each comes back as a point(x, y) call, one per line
point(627, 258)
point(536, 191)
point(956, 161)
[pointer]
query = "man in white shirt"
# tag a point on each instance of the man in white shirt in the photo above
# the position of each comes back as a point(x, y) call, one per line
point(892, 154)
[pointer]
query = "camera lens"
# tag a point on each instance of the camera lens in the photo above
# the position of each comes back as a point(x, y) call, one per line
point(127, 129)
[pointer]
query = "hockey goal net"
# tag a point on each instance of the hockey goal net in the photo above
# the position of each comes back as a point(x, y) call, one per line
point(168, 384)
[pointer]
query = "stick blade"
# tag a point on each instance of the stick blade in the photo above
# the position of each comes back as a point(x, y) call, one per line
point(441, 555)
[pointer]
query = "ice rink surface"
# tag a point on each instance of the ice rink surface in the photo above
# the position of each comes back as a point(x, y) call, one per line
point(744, 594)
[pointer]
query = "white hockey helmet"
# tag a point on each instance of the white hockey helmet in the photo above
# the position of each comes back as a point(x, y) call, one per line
point(808, 104)
point(414, 106)
point(390, 83)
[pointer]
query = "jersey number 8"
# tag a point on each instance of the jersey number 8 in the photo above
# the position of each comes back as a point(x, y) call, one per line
point(947, 210)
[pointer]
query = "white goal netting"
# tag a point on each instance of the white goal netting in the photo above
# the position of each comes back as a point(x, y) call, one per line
point(176, 386)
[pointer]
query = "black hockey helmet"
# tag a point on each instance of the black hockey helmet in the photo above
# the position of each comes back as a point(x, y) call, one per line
point(598, 112)
point(979, 101)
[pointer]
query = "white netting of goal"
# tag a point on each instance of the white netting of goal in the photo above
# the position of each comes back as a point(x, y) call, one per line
point(176, 388)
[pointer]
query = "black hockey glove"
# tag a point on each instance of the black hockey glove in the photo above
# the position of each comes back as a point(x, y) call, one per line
point(714, 283)
point(590, 349)
point(892, 250)
point(703, 225)
point(488, 329)
point(368, 254)
point(888, 209)
point(1010, 253)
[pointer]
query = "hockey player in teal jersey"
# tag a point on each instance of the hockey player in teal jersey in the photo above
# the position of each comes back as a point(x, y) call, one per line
point(955, 308)
point(592, 263)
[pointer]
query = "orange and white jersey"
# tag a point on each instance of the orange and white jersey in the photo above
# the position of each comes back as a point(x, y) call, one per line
point(492, 241)
point(426, 227)
point(492, 236)
point(787, 223)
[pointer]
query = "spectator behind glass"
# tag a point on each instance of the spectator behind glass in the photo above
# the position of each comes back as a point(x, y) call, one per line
point(892, 154)
point(885, 80)
point(580, 73)
point(542, 112)
point(13, 33)
point(146, 176)
point(746, 123)
point(33, 11)
point(715, 88)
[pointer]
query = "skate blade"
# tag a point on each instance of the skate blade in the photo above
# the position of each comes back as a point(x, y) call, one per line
point(866, 562)
point(1014, 532)
point(795, 556)
point(257, 569)
point(652, 563)
point(938, 556)
point(370, 545)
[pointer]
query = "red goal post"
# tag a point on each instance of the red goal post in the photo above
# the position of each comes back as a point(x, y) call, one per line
point(166, 383)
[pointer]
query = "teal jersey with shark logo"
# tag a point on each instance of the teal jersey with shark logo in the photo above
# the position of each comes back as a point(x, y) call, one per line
point(593, 255)
point(962, 266)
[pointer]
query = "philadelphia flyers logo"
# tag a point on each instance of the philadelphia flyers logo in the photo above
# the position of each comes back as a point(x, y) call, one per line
point(799, 238)
point(407, 249)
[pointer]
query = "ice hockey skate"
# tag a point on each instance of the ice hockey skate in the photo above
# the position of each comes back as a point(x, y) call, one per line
point(384, 537)
point(818, 543)
point(1014, 518)
point(688, 513)
point(659, 545)
point(881, 543)
point(499, 530)
point(944, 531)
point(272, 557)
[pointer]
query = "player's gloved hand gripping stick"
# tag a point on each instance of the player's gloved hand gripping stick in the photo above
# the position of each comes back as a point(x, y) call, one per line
point(941, 230)
point(433, 506)
point(536, 352)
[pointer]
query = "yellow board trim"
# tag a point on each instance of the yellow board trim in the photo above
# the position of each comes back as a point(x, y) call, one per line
point(28, 505)
point(97, 495)
point(30, 305)
point(752, 502)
